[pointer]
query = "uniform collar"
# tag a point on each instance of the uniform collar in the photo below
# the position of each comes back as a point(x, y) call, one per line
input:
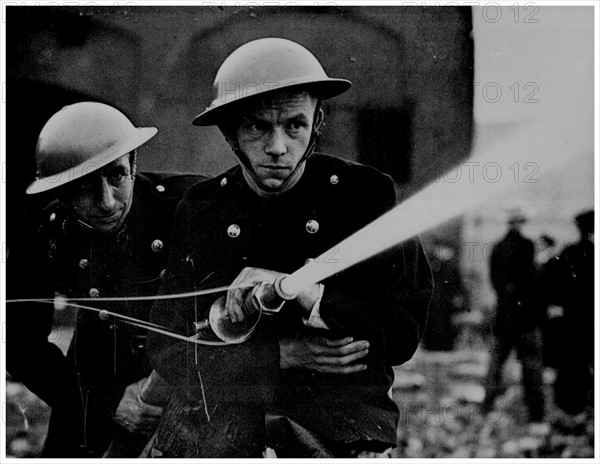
point(236, 174)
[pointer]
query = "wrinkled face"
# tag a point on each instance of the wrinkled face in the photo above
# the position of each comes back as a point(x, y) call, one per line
point(103, 198)
point(273, 134)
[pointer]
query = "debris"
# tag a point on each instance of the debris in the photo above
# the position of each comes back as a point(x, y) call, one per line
point(539, 429)
point(510, 449)
point(469, 392)
point(406, 380)
point(439, 397)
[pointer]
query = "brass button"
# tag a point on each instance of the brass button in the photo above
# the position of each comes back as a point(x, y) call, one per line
point(223, 181)
point(160, 188)
point(104, 315)
point(233, 230)
point(83, 263)
point(157, 245)
point(94, 292)
point(52, 217)
point(334, 179)
point(312, 226)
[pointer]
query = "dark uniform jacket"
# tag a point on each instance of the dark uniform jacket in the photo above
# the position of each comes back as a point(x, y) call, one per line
point(574, 291)
point(513, 276)
point(221, 227)
point(85, 387)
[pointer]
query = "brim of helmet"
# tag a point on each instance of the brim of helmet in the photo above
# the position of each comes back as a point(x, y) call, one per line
point(517, 220)
point(324, 89)
point(140, 137)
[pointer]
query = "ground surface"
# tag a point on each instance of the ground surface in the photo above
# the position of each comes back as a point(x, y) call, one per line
point(438, 394)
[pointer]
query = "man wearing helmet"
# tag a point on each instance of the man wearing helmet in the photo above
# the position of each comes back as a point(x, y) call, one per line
point(106, 235)
point(282, 205)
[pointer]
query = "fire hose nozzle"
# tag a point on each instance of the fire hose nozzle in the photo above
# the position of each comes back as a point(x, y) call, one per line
point(265, 298)
point(269, 297)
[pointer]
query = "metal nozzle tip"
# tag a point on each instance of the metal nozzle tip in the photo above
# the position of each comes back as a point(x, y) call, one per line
point(279, 288)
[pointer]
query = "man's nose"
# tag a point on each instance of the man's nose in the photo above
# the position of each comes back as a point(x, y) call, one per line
point(276, 143)
point(105, 197)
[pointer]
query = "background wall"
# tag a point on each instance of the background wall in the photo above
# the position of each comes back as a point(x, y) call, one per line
point(409, 111)
point(538, 66)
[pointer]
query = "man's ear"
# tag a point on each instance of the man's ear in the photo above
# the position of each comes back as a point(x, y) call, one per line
point(230, 137)
point(133, 162)
point(319, 116)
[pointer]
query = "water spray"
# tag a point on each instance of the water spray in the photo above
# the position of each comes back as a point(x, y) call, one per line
point(551, 143)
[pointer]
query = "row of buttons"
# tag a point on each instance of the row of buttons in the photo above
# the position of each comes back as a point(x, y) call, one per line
point(312, 226)
point(333, 179)
point(234, 230)
point(156, 246)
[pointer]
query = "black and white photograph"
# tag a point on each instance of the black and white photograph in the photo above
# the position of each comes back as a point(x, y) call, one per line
point(299, 230)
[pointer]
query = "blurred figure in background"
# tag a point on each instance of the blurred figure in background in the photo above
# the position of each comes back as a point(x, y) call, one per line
point(513, 276)
point(574, 292)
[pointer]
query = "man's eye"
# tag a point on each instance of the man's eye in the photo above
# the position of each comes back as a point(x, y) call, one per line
point(296, 126)
point(256, 127)
point(84, 186)
point(116, 177)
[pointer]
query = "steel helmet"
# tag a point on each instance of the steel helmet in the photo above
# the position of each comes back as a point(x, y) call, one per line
point(267, 65)
point(80, 139)
point(517, 215)
point(585, 222)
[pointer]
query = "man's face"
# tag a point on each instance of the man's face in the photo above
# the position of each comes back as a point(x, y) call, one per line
point(273, 134)
point(102, 199)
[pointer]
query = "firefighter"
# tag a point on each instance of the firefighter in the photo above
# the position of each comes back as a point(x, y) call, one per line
point(282, 205)
point(107, 234)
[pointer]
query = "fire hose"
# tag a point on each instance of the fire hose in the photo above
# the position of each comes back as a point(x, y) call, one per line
point(265, 298)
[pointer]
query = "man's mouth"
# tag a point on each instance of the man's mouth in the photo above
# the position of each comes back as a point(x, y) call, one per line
point(276, 171)
point(106, 219)
point(276, 167)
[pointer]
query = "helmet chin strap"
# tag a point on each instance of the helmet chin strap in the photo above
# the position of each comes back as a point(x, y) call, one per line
point(85, 225)
point(290, 180)
point(79, 221)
